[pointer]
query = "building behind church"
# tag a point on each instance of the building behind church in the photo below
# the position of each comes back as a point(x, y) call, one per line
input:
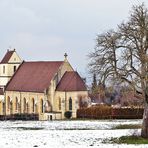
point(46, 88)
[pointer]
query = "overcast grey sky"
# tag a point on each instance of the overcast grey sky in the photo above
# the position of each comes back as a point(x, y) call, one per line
point(46, 29)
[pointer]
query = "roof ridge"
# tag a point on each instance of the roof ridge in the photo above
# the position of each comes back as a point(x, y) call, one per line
point(42, 61)
point(7, 56)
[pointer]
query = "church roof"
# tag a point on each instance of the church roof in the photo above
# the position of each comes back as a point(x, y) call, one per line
point(7, 56)
point(71, 81)
point(33, 76)
point(1, 91)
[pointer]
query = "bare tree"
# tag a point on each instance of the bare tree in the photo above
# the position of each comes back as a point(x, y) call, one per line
point(123, 55)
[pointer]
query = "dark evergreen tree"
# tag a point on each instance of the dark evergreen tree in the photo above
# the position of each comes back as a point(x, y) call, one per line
point(94, 88)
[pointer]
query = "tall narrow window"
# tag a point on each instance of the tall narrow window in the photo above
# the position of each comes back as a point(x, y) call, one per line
point(8, 102)
point(24, 104)
point(70, 103)
point(59, 103)
point(14, 68)
point(3, 69)
point(16, 103)
point(33, 105)
point(3, 108)
point(41, 106)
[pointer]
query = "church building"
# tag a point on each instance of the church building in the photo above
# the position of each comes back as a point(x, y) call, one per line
point(46, 88)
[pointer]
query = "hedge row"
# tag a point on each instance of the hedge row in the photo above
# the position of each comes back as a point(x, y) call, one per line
point(20, 117)
point(107, 112)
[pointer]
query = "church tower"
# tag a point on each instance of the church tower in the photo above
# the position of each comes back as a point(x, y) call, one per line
point(8, 66)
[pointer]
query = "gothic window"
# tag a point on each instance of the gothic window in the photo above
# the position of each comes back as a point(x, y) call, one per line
point(41, 106)
point(24, 105)
point(59, 103)
point(16, 103)
point(70, 103)
point(8, 102)
point(33, 105)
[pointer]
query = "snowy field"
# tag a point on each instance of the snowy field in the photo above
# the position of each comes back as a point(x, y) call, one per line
point(58, 134)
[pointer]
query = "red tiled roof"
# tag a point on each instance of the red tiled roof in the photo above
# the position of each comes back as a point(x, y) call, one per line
point(7, 56)
point(1, 91)
point(33, 76)
point(71, 81)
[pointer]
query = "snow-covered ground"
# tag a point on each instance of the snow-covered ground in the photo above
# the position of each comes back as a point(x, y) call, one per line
point(60, 134)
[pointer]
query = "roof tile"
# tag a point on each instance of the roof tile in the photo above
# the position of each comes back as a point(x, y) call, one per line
point(7, 57)
point(71, 81)
point(33, 76)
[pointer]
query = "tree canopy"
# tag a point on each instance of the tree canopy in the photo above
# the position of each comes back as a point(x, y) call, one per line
point(122, 54)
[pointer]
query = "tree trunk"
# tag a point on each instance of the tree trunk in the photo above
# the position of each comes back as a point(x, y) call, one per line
point(144, 132)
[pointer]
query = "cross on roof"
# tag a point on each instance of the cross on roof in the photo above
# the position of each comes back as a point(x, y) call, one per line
point(65, 55)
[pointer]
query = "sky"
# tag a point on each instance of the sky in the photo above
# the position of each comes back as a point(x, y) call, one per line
point(45, 29)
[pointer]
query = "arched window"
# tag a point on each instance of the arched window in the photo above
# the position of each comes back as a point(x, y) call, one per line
point(59, 103)
point(24, 105)
point(33, 105)
point(41, 106)
point(70, 103)
point(8, 102)
point(16, 103)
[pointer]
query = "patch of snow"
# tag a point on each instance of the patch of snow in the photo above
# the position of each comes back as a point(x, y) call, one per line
point(61, 134)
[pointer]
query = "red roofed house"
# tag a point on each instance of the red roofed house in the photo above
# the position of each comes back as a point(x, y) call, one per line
point(46, 88)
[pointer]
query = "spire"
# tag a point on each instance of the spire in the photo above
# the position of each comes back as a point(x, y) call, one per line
point(65, 55)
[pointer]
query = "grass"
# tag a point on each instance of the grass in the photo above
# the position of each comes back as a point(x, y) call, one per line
point(127, 140)
point(127, 126)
